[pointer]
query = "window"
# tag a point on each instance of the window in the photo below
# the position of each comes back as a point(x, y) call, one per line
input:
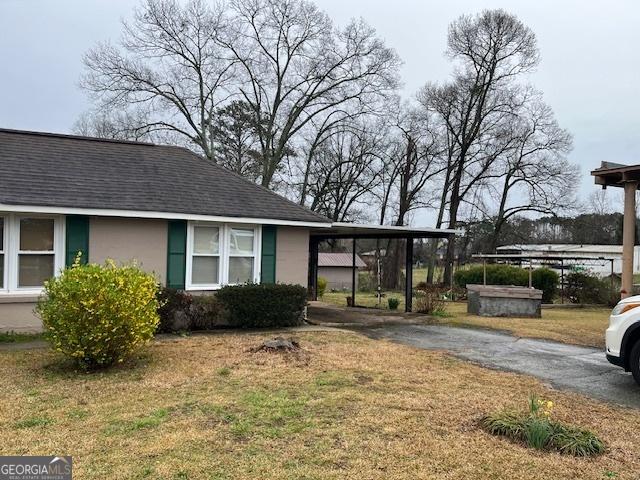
point(220, 254)
point(30, 251)
point(241, 255)
point(36, 255)
point(206, 256)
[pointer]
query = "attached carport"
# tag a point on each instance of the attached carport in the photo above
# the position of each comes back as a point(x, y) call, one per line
point(355, 232)
point(627, 177)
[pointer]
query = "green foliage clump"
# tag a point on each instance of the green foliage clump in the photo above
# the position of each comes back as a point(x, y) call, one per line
point(536, 429)
point(322, 286)
point(393, 303)
point(543, 279)
point(546, 280)
point(496, 275)
point(181, 311)
point(99, 314)
point(263, 305)
point(582, 287)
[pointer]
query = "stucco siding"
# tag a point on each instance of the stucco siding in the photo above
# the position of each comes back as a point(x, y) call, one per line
point(292, 255)
point(19, 317)
point(127, 239)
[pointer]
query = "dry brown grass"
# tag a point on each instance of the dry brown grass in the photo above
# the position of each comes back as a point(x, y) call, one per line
point(205, 407)
point(579, 326)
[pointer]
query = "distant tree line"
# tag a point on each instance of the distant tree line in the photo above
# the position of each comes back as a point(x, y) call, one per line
point(277, 92)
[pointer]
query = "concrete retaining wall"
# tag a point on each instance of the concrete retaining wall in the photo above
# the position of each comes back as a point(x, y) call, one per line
point(503, 301)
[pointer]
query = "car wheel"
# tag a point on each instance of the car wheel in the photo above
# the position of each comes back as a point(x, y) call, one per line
point(634, 362)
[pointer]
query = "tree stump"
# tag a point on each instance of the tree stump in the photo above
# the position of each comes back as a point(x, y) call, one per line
point(278, 344)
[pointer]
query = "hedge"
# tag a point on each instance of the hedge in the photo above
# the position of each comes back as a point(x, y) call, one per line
point(544, 279)
point(263, 305)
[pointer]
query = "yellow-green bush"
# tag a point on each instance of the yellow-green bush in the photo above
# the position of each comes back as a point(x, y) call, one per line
point(99, 314)
point(322, 286)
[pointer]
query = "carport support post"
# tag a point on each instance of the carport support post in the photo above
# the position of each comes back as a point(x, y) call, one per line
point(408, 295)
point(562, 280)
point(628, 237)
point(353, 274)
point(313, 267)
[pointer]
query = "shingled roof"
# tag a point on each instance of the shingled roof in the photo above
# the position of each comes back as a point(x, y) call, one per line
point(53, 170)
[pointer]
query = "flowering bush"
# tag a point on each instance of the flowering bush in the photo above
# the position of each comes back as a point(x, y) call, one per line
point(537, 430)
point(99, 314)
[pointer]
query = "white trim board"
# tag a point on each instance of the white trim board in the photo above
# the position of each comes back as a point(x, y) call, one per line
point(161, 215)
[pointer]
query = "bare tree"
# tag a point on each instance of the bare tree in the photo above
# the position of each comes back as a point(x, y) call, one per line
point(235, 140)
point(114, 125)
point(346, 172)
point(535, 175)
point(599, 202)
point(295, 65)
point(170, 64)
point(492, 49)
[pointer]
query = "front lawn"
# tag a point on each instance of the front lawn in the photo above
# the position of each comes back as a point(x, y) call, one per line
point(349, 407)
point(579, 326)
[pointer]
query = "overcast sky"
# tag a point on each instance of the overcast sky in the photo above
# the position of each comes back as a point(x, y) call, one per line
point(590, 69)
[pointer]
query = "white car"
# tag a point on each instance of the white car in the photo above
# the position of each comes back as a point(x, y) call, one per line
point(623, 336)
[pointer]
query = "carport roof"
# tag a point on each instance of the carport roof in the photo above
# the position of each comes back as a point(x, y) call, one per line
point(616, 174)
point(356, 230)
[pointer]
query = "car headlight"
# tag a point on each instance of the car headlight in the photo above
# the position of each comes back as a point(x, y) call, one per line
point(624, 307)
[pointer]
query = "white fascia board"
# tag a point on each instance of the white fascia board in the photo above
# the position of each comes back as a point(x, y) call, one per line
point(99, 212)
point(399, 228)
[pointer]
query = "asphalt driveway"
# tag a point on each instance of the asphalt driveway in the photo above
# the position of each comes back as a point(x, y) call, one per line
point(581, 369)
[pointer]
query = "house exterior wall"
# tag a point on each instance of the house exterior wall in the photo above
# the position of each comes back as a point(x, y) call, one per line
point(292, 255)
point(145, 240)
point(127, 239)
point(17, 315)
point(338, 278)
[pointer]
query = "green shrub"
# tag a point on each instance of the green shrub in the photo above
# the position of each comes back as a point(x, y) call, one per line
point(496, 275)
point(543, 279)
point(263, 305)
point(536, 429)
point(322, 286)
point(99, 314)
point(546, 280)
point(393, 303)
point(587, 288)
point(174, 310)
point(181, 311)
point(205, 313)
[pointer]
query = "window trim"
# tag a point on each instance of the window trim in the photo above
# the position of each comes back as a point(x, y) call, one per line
point(191, 253)
point(224, 255)
point(12, 251)
point(3, 252)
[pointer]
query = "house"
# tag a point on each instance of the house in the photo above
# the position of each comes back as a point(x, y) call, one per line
point(192, 223)
point(337, 269)
point(598, 259)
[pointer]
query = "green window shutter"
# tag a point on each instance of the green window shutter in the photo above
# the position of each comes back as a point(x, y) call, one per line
point(177, 254)
point(268, 254)
point(77, 239)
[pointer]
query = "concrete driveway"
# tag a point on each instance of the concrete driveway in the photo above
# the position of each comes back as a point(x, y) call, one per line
point(581, 369)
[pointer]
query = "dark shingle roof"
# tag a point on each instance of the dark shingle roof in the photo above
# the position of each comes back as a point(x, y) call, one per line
point(42, 169)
